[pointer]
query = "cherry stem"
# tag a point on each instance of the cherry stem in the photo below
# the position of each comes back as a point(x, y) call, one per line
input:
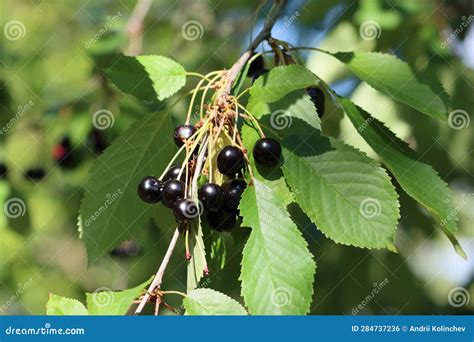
point(156, 283)
point(254, 119)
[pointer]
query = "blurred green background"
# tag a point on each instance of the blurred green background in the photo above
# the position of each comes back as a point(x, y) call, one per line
point(51, 85)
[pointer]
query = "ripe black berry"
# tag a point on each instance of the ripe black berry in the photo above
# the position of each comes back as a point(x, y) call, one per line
point(150, 190)
point(185, 210)
point(173, 172)
point(230, 160)
point(35, 173)
point(211, 196)
point(317, 96)
point(233, 190)
point(182, 133)
point(257, 65)
point(222, 220)
point(173, 190)
point(258, 74)
point(267, 152)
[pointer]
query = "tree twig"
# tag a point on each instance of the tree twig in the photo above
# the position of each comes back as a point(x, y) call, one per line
point(135, 26)
point(234, 71)
point(159, 275)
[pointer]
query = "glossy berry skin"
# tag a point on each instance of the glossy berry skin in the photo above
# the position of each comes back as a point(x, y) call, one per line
point(182, 133)
point(233, 190)
point(185, 210)
point(173, 190)
point(317, 97)
point(230, 160)
point(35, 173)
point(211, 196)
point(267, 152)
point(222, 220)
point(150, 190)
point(173, 172)
point(257, 65)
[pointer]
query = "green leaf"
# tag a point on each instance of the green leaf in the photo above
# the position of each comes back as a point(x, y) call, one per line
point(419, 180)
point(60, 306)
point(394, 77)
point(280, 81)
point(346, 194)
point(210, 302)
point(277, 268)
point(109, 302)
point(197, 264)
point(111, 209)
point(147, 77)
point(293, 114)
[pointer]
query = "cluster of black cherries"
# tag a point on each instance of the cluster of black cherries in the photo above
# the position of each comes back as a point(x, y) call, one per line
point(219, 202)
